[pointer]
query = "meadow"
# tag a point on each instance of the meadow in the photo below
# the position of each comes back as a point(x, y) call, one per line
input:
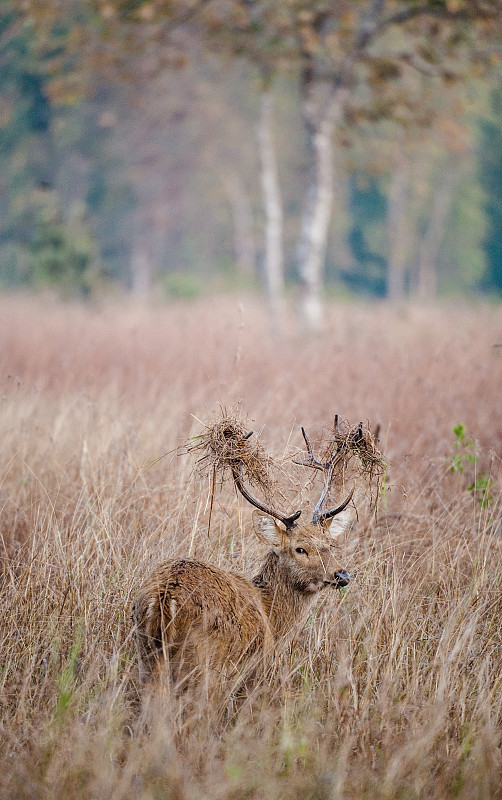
point(394, 688)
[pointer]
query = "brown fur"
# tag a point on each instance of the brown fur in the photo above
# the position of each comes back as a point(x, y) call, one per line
point(203, 619)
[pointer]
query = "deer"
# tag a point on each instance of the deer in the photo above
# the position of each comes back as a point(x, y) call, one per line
point(198, 618)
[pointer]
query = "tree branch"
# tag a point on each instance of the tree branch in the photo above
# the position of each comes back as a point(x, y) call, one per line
point(413, 12)
point(416, 62)
point(369, 25)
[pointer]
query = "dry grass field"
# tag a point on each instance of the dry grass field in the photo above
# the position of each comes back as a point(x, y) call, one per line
point(394, 688)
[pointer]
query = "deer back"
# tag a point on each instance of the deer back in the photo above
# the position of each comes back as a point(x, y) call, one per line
point(200, 616)
point(194, 614)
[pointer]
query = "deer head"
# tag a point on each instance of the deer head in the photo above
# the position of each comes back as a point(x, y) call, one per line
point(305, 551)
point(307, 548)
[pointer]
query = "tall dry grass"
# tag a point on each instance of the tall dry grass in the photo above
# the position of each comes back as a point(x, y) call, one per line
point(394, 689)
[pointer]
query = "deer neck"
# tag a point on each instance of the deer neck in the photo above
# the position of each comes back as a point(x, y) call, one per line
point(286, 606)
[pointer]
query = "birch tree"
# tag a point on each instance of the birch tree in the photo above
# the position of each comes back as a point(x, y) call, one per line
point(374, 47)
point(340, 49)
point(274, 254)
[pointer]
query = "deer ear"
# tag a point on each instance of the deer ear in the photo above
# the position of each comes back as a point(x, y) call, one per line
point(337, 525)
point(267, 530)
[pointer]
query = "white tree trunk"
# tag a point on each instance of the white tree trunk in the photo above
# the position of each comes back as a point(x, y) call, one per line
point(320, 125)
point(317, 215)
point(274, 256)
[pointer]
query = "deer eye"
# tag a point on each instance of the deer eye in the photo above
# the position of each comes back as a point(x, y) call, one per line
point(301, 551)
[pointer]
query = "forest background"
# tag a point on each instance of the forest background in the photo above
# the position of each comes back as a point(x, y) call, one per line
point(343, 149)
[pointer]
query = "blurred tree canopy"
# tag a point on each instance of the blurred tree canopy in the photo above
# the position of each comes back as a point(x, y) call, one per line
point(129, 151)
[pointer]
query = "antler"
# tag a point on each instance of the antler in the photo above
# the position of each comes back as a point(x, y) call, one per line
point(236, 467)
point(327, 469)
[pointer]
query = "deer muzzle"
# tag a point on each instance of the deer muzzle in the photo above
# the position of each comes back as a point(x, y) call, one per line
point(339, 579)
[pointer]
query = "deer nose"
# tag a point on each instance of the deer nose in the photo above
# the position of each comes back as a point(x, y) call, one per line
point(341, 578)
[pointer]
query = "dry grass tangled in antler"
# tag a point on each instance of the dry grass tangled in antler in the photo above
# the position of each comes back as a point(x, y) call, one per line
point(227, 445)
point(356, 440)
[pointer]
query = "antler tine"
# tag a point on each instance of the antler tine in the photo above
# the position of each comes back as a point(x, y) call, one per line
point(328, 476)
point(312, 460)
point(329, 514)
point(289, 521)
point(331, 464)
point(326, 482)
point(328, 468)
point(359, 433)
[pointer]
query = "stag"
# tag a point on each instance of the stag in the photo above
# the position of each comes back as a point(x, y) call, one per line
point(199, 618)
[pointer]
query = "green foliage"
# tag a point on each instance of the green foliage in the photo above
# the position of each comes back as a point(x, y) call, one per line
point(465, 449)
point(59, 186)
point(491, 178)
point(482, 489)
point(62, 251)
point(465, 455)
point(182, 286)
point(463, 254)
point(23, 140)
point(366, 237)
point(66, 680)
